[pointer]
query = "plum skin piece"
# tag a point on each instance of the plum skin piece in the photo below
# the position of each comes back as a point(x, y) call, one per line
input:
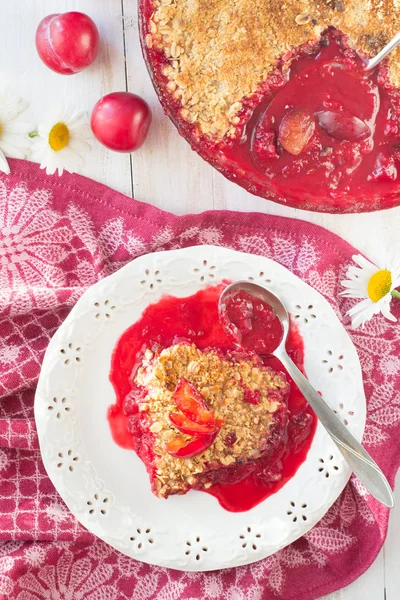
point(189, 427)
point(180, 448)
point(192, 404)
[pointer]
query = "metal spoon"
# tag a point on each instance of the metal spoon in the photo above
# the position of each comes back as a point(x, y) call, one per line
point(358, 459)
point(373, 62)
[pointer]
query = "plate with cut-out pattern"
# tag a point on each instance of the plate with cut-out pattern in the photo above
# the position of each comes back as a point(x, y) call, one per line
point(107, 488)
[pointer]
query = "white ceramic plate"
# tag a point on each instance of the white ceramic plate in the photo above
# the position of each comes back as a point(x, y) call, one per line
point(107, 488)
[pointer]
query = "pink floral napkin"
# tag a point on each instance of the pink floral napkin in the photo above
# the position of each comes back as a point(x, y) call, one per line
point(59, 236)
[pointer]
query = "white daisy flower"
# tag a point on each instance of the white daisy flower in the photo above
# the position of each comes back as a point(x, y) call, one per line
point(375, 285)
point(60, 141)
point(14, 140)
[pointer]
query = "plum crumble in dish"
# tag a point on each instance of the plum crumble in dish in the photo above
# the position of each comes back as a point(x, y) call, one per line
point(277, 97)
point(199, 413)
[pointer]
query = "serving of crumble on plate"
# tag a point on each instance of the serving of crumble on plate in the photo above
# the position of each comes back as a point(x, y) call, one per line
point(239, 404)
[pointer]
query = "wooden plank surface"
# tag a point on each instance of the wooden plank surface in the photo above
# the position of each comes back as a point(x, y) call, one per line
point(166, 173)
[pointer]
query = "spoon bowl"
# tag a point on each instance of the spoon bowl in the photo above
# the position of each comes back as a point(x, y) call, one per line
point(262, 293)
point(358, 459)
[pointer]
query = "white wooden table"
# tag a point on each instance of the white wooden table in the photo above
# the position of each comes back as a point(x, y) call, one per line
point(165, 172)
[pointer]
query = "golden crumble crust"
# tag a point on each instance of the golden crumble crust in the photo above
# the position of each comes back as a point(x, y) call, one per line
point(220, 51)
point(222, 383)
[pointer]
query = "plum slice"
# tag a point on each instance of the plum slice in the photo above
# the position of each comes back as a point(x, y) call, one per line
point(342, 125)
point(181, 448)
point(295, 131)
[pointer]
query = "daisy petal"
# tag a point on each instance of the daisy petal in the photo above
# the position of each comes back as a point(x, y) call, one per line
point(385, 310)
point(13, 109)
point(16, 140)
point(4, 164)
point(44, 130)
point(79, 146)
point(38, 150)
point(361, 318)
point(17, 127)
point(353, 292)
point(77, 119)
point(360, 307)
point(68, 115)
point(11, 151)
point(364, 263)
point(356, 274)
point(82, 133)
point(50, 169)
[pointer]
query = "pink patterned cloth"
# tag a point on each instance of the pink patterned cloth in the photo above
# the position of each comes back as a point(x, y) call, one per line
point(57, 237)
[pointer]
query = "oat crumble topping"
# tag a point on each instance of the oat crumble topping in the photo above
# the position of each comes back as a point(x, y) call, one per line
point(222, 383)
point(220, 51)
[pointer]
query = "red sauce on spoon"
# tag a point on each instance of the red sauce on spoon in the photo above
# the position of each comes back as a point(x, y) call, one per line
point(253, 323)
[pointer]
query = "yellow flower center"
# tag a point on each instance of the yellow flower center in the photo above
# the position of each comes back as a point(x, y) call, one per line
point(379, 285)
point(58, 137)
point(1, 128)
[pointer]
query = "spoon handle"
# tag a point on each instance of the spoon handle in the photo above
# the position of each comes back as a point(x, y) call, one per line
point(373, 62)
point(358, 459)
